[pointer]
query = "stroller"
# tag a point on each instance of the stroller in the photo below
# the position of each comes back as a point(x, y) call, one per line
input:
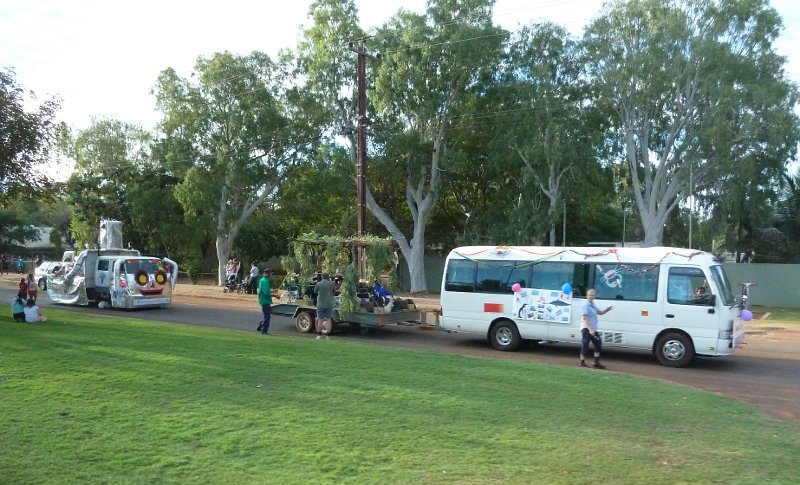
point(233, 285)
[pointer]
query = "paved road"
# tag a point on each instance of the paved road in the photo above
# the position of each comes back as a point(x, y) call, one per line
point(764, 372)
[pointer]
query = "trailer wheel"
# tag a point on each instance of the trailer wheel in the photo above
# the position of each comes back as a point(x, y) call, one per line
point(304, 321)
point(674, 350)
point(504, 335)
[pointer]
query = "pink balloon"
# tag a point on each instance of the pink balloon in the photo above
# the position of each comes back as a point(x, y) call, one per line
point(516, 287)
point(747, 315)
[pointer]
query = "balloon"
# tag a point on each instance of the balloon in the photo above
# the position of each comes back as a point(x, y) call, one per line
point(516, 287)
point(747, 315)
point(567, 288)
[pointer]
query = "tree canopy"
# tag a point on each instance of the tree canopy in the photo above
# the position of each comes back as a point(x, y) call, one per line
point(475, 135)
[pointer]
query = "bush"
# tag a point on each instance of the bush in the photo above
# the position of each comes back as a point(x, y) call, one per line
point(193, 267)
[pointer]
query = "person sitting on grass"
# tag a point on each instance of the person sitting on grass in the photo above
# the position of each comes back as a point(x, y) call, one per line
point(18, 307)
point(32, 313)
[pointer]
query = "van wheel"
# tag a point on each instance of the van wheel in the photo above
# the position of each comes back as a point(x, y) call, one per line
point(674, 350)
point(304, 322)
point(505, 336)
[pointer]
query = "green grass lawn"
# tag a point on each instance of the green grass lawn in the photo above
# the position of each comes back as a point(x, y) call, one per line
point(113, 400)
point(778, 314)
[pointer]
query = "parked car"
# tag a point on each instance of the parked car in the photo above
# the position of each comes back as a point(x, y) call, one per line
point(44, 269)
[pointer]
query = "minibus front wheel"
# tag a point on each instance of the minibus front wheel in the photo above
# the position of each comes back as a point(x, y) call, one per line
point(504, 335)
point(674, 349)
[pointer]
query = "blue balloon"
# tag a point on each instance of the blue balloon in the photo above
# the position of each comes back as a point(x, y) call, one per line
point(567, 288)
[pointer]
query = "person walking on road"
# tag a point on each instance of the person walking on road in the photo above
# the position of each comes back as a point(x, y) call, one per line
point(265, 300)
point(589, 330)
point(325, 290)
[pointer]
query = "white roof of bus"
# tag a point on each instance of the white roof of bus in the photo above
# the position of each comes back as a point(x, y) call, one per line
point(585, 254)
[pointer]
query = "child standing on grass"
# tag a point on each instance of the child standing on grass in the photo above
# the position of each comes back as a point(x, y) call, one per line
point(33, 290)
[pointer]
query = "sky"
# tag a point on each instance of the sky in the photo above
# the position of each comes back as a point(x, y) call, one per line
point(102, 57)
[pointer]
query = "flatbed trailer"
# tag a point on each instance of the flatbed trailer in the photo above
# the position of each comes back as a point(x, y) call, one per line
point(305, 317)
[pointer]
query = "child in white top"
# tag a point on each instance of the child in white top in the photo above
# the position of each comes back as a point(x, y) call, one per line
point(32, 314)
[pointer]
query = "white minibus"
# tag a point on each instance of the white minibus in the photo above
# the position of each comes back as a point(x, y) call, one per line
point(675, 302)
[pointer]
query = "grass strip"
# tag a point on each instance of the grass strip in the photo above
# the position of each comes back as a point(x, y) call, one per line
point(116, 400)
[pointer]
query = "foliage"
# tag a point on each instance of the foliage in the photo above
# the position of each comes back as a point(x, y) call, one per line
point(25, 140)
point(15, 229)
point(699, 93)
point(335, 255)
point(235, 121)
point(169, 403)
point(109, 158)
point(348, 300)
point(318, 194)
point(193, 268)
point(306, 250)
point(379, 258)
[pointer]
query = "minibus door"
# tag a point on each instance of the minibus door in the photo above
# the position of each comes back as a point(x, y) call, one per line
point(689, 303)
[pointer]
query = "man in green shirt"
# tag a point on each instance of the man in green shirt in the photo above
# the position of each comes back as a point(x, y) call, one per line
point(265, 300)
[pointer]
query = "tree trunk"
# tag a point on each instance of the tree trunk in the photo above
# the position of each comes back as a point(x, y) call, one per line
point(653, 230)
point(416, 268)
point(223, 253)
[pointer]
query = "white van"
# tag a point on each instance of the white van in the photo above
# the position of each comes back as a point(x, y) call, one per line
point(677, 303)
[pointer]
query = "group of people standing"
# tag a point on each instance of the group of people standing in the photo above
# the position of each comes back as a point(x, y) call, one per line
point(234, 274)
point(18, 262)
point(324, 289)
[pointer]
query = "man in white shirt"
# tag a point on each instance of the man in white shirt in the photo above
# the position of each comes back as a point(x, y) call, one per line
point(253, 281)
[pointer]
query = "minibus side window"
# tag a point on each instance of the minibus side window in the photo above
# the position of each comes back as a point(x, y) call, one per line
point(460, 275)
point(551, 276)
point(493, 276)
point(626, 281)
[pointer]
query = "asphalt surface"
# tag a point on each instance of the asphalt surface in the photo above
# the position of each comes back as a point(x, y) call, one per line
point(764, 372)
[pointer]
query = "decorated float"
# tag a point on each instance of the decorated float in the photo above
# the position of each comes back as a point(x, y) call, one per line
point(112, 276)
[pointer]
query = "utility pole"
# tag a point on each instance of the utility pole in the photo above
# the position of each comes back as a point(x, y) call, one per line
point(361, 151)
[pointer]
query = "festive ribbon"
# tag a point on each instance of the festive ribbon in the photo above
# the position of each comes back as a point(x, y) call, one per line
point(547, 256)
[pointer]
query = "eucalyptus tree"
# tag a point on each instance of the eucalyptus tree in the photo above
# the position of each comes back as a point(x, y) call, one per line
point(235, 122)
point(107, 156)
point(547, 119)
point(429, 64)
point(697, 90)
point(26, 135)
point(433, 66)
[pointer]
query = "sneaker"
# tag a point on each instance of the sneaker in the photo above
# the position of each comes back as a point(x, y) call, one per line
point(326, 337)
point(259, 328)
point(582, 364)
point(598, 365)
point(319, 337)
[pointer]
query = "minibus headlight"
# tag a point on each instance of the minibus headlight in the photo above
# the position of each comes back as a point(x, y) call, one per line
point(725, 334)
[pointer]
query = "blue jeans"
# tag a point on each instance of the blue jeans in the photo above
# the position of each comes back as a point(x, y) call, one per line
point(267, 312)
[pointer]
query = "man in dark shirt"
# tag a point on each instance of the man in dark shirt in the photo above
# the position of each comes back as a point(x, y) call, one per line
point(325, 290)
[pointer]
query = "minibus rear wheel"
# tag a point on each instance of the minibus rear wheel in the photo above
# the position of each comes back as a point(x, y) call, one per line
point(504, 335)
point(674, 349)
